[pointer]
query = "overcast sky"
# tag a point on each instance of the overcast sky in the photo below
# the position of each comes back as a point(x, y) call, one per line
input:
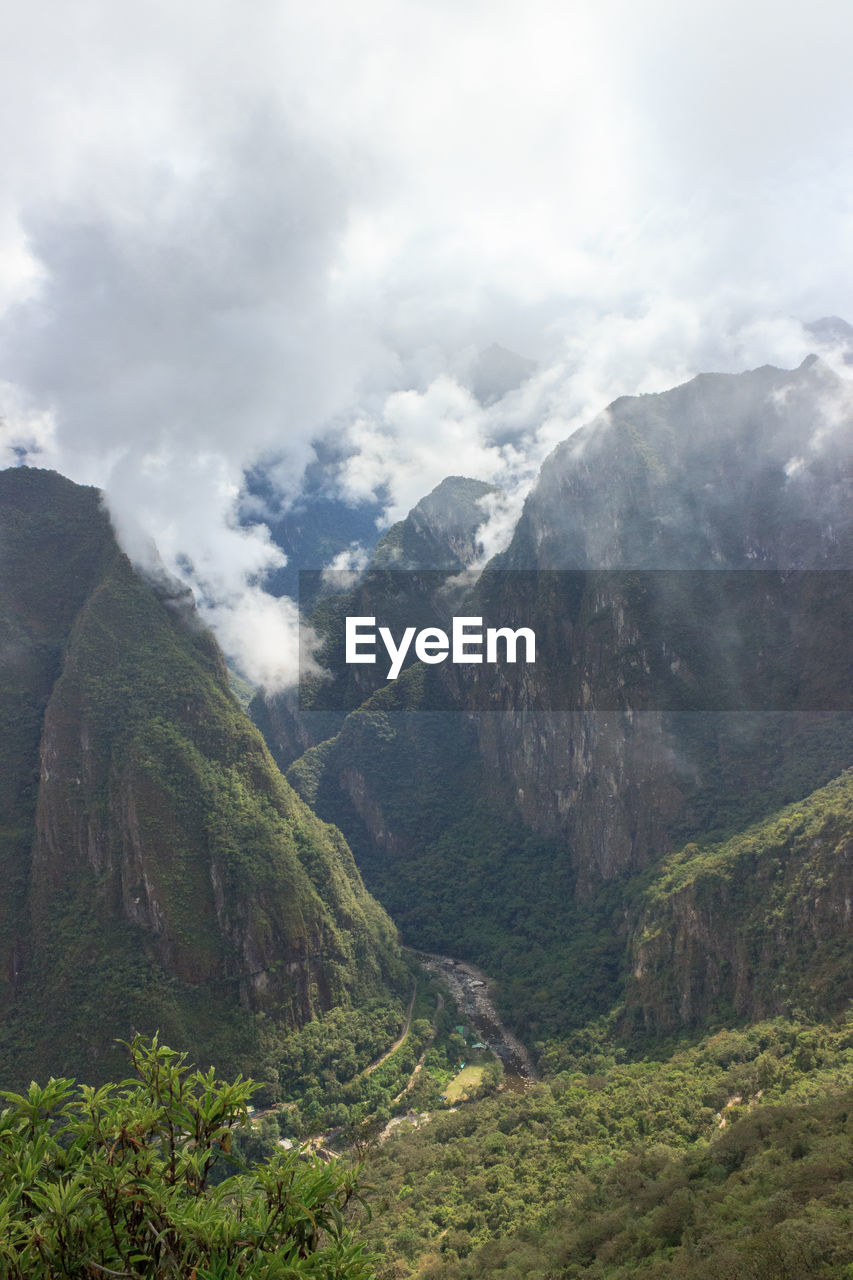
point(227, 229)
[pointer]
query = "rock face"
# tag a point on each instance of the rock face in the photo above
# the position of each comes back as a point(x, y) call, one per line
point(755, 926)
point(161, 871)
point(753, 470)
point(726, 472)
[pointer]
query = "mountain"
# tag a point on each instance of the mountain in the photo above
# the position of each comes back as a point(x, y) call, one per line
point(728, 472)
point(315, 530)
point(315, 525)
point(495, 371)
point(158, 870)
point(320, 524)
point(750, 470)
point(440, 532)
point(661, 898)
point(522, 839)
point(754, 924)
point(834, 333)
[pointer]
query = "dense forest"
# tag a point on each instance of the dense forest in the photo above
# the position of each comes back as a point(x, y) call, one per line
point(673, 1165)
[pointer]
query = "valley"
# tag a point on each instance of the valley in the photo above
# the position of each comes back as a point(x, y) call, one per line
point(426, 641)
point(518, 963)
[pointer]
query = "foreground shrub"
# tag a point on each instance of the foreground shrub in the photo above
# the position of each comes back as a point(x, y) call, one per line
point(138, 1180)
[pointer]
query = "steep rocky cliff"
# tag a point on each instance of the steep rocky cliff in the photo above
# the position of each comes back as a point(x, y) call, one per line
point(725, 472)
point(160, 870)
point(755, 926)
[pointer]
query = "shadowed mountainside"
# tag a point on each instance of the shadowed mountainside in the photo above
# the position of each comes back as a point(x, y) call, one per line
point(159, 871)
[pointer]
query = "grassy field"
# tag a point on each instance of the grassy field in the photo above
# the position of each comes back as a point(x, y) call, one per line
point(465, 1083)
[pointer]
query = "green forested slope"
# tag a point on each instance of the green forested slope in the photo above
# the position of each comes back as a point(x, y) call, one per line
point(55, 541)
point(754, 925)
point(728, 1158)
point(165, 873)
point(651, 1149)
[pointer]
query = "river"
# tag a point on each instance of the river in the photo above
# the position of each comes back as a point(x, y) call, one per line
point(470, 988)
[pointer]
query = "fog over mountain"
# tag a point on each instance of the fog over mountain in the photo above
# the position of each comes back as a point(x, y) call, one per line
point(233, 240)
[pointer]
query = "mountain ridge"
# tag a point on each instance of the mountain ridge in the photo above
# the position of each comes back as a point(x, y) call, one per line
point(163, 866)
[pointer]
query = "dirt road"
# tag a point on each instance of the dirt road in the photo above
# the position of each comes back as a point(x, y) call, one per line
point(400, 1038)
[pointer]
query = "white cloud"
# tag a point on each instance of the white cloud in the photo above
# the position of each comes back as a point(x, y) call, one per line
point(228, 229)
point(262, 632)
point(24, 428)
point(344, 569)
point(417, 438)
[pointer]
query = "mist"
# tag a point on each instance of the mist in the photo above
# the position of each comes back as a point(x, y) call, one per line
point(227, 234)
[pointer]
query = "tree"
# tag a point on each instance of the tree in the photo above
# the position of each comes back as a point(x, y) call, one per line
point(119, 1181)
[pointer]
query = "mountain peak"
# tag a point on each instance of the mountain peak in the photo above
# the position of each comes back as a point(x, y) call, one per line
point(834, 332)
point(725, 471)
point(495, 371)
point(440, 531)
